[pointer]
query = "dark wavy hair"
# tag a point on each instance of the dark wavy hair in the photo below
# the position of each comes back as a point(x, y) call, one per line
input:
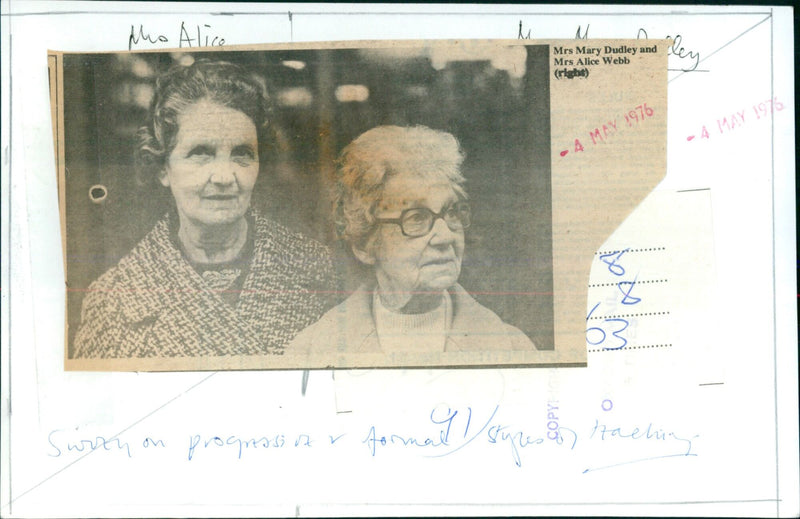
point(221, 82)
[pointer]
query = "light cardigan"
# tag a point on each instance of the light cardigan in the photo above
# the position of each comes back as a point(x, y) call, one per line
point(154, 304)
point(350, 328)
point(424, 332)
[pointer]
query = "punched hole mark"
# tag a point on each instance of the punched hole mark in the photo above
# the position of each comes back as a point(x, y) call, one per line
point(98, 193)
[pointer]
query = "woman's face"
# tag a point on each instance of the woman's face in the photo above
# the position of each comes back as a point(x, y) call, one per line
point(423, 264)
point(214, 165)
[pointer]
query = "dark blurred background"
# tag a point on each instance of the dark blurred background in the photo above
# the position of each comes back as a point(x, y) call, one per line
point(497, 105)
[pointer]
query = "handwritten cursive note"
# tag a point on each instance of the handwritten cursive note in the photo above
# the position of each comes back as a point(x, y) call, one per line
point(199, 35)
point(443, 431)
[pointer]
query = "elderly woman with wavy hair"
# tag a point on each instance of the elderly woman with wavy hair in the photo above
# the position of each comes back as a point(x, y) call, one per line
point(213, 277)
point(403, 212)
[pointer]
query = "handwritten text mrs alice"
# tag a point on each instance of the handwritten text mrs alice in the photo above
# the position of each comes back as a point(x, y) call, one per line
point(197, 36)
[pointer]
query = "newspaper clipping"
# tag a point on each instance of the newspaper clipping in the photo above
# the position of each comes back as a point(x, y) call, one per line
point(348, 204)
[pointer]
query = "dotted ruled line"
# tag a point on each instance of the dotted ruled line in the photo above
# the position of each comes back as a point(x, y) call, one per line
point(627, 315)
point(649, 346)
point(637, 282)
point(602, 253)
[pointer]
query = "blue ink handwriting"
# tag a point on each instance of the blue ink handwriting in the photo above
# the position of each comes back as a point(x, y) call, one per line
point(613, 266)
point(88, 444)
point(275, 442)
point(595, 341)
point(603, 432)
point(627, 298)
point(446, 430)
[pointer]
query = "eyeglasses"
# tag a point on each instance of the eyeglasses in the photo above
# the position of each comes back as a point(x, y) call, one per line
point(418, 221)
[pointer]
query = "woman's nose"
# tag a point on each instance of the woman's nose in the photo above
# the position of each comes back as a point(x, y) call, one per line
point(223, 173)
point(442, 234)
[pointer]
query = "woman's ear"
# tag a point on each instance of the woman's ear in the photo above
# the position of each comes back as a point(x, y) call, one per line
point(163, 177)
point(362, 254)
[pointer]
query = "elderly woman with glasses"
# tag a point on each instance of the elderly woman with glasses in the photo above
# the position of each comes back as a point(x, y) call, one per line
point(403, 212)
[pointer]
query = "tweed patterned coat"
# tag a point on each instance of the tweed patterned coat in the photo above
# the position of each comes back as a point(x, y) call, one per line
point(154, 304)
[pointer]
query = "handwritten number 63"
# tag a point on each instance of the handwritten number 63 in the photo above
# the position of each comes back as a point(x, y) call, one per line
point(596, 335)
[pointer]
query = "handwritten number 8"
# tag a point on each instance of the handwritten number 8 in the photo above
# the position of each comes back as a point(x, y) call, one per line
point(627, 298)
point(613, 267)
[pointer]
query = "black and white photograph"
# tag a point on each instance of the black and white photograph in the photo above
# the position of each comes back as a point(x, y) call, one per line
point(385, 203)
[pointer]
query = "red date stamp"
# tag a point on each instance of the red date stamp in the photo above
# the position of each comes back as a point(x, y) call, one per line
point(603, 132)
point(737, 119)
